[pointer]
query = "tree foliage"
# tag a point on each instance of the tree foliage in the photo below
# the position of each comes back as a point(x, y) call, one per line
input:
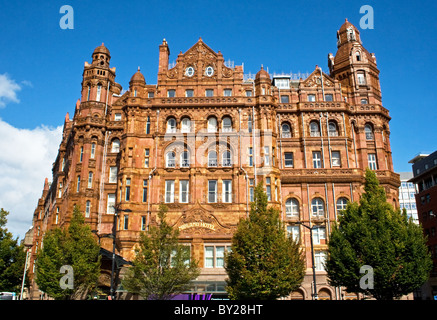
point(73, 246)
point(162, 267)
point(373, 233)
point(264, 262)
point(12, 258)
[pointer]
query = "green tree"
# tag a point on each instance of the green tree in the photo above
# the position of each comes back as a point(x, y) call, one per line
point(264, 262)
point(73, 246)
point(12, 258)
point(372, 233)
point(162, 267)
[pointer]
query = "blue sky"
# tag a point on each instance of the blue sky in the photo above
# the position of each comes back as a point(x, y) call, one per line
point(41, 64)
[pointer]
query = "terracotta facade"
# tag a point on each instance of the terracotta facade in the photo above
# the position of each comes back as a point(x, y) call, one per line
point(201, 139)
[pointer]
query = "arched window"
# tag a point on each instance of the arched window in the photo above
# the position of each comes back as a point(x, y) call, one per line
point(226, 124)
point(286, 130)
point(88, 209)
point(115, 147)
point(291, 208)
point(358, 56)
point(171, 125)
point(314, 129)
point(185, 159)
point(332, 129)
point(186, 125)
point(212, 159)
point(368, 130)
point(170, 160)
point(227, 159)
point(341, 203)
point(318, 207)
point(88, 92)
point(212, 124)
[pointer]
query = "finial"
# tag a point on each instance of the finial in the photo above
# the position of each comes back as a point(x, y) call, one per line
point(138, 68)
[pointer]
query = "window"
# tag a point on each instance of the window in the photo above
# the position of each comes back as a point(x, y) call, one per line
point(269, 188)
point(110, 209)
point(150, 94)
point(332, 129)
point(212, 159)
point(371, 157)
point(170, 160)
point(146, 157)
point(143, 223)
point(189, 93)
point(249, 123)
point(148, 125)
point(341, 204)
point(227, 92)
point(117, 117)
point(78, 184)
point(88, 209)
point(209, 71)
point(329, 97)
point(185, 125)
point(364, 101)
point(127, 190)
point(126, 222)
point(267, 156)
point(212, 191)
point(60, 190)
point(248, 93)
point(311, 97)
point(320, 258)
point(285, 99)
point(227, 191)
point(288, 159)
point(314, 129)
point(319, 234)
point(112, 175)
point(368, 130)
point(145, 185)
point(250, 153)
point(90, 180)
point(215, 256)
point(294, 232)
point(361, 79)
point(358, 57)
point(81, 154)
point(286, 130)
point(251, 192)
point(171, 93)
point(226, 124)
point(318, 207)
point(183, 191)
point(171, 125)
point(227, 159)
point(335, 158)
point(93, 150)
point(169, 191)
point(212, 124)
point(99, 91)
point(317, 159)
point(185, 159)
point(291, 208)
point(209, 93)
point(88, 93)
point(115, 147)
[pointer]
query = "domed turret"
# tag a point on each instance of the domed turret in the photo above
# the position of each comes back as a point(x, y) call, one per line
point(101, 55)
point(137, 80)
point(347, 33)
point(262, 74)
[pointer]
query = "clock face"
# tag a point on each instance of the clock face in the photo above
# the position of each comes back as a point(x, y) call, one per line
point(189, 72)
point(209, 71)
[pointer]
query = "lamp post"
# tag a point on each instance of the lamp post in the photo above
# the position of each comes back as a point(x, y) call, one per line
point(114, 229)
point(312, 256)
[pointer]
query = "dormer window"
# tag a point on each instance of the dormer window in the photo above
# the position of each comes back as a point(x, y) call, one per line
point(358, 56)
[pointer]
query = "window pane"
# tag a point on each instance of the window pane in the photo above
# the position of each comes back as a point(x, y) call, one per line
point(212, 191)
point(209, 257)
point(288, 159)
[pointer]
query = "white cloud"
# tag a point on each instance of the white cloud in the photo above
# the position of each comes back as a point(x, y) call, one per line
point(8, 89)
point(26, 159)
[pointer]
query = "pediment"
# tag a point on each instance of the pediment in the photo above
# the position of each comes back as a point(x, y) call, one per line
point(313, 79)
point(198, 220)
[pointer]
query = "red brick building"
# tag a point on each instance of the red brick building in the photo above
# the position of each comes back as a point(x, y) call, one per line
point(425, 178)
point(203, 136)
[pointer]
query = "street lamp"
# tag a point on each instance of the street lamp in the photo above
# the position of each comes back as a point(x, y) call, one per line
point(312, 256)
point(114, 227)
